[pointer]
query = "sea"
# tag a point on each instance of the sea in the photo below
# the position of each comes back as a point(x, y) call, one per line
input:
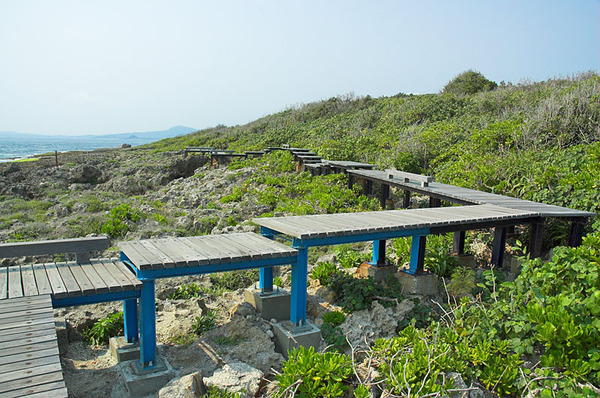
point(21, 148)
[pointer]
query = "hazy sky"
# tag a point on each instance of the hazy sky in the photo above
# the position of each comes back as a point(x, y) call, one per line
point(87, 67)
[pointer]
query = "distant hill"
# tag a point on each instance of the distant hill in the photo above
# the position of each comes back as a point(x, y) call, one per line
point(147, 136)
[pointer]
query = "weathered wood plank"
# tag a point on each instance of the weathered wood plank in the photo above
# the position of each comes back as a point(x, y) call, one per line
point(36, 336)
point(85, 285)
point(54, 389)
point(199, 244)
point(36, 319)
point(58, 287)
point(26, 331)
point(51, 376)
point(73, 288)
point(137, 257)
point(124, 282)
point(28, 278)
point(20, 249)
point(97, 282)
point(24, 302)
point(31, 363)
point(157, 255)
point(41, 279)
point(124, 272)
point(110, 281)
point(193, 257)
point(15, 286)
point(23, 313)
point(23, 353)
point(222, 243)
point(174, 253)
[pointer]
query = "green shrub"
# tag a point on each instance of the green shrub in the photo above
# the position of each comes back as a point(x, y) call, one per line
point(204, 323)
point(348, 258)
point(334, 318)
point(234, 280)
point(314, 374)
point(469, 82)
point(325, 273)
point(121, 220)
point(104, 329)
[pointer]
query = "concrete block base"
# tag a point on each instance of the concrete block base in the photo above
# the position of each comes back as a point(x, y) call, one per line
point(141, 382)
point(275, 305)
point(123, 351)
point(62, 335)
point(377, 272)
point(515, 265)
point(425, 284)
point(288, 336)
point(465, 260)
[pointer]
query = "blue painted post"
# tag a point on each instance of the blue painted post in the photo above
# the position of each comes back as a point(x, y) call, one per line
point(130, 318)
point(265, 274)
point(147, 326)
point(299, 278)
point(417, 254)
point(378, 252)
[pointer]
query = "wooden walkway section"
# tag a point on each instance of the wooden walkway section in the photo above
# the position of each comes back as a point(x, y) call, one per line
point(68, 279)
point(202, 253)
point(29, 360)
point(461, 195)
point(440, 219)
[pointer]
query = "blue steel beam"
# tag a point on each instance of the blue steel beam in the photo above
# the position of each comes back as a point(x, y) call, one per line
point(147, 326)
point(95, 298)
point(299, 279)
point(130, 320)
point(378, 253)
point(338, 240)
point(417, 254)
point(265, 275)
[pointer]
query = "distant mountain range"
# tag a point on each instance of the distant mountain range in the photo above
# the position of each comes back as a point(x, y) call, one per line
point(148, 136)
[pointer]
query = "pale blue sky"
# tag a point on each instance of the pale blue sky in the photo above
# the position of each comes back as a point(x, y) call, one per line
point(90, 67)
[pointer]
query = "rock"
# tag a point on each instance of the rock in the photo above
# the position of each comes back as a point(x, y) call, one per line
point(124, 146)
point(459, 384)
point(86, 174)
point(189, 386)
point(374, 323)
point(244, 309)
point(236, 377)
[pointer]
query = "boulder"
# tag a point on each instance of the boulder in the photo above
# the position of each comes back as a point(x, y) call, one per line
point(188, 386)
point(236, 377)
point(86, 174)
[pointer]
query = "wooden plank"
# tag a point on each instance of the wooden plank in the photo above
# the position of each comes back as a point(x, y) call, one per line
point(55, 389)
point(25, 302)
point(157, 255)
point(73, 288)
point(123, 280)
point(97, 282)
point(3, 283)
point(28, 278)
point(58, 287)
point(32, 363)
point(252, 250)
point(191, 255)
point(24, 312)
point(15, 286)
point(130, 249)
point(86, 286)
point(212, 253)
point(26, 373)
point(110, 281)
point(24, 353)
point(125, 274)
point(59, 246)
point(8, 334)
point(41, 279)
point(48, 377)
point(35, 319)
point(221, 242)
point(174, 253)
point(146, 259)
point(36, 336)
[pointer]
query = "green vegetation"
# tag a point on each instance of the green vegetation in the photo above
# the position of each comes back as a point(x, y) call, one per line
point(104, 329)
point(121, 220)
point(234, 280)
point(204, 323)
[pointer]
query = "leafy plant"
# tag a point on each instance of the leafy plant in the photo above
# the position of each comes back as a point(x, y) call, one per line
point(204, 323)
point(234, 280)
point(325, 273)
point(313, 374)
point(104, 329)
point(462, 283)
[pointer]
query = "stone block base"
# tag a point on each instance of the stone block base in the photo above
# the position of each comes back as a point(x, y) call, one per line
point(275, 305)
point(515, 265)
point(142, 382)
point(424, 284)
point(465, 260)
point(288, 336)
point(123, 351)
point(377, 272)
point(62, 335)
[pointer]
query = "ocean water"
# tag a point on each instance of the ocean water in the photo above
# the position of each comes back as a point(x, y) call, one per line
point(13, 148)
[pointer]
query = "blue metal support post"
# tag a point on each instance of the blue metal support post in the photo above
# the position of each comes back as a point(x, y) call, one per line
point(417, 254)
point(130, 319)
point(299, 279)
point(378, 252)
point(265, 274)
point(147, 326)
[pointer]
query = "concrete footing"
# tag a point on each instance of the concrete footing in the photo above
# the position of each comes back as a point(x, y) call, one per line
point(141, 382)
point(289, 336)
point(274, 305)
point(123, 351)
point(425, 284)
point(465, 260)
point(377, 272)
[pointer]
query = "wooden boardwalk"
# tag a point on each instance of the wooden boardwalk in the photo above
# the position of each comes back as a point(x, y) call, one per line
point(29, 360)
point(438, 219)
point(202, 252)
point(67, 280)
point(461, 195)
